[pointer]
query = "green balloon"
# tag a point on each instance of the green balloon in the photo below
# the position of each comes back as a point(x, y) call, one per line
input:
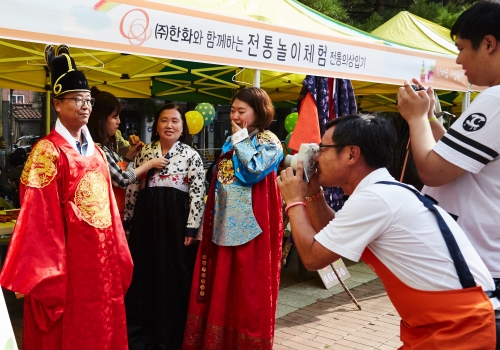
point(290, 121)
point(287, 140)
point(207, 111)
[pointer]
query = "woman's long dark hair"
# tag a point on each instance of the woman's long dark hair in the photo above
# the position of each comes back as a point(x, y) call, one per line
point(105, 104)
point(185, 137)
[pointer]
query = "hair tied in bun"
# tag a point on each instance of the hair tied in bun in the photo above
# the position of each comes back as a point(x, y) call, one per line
point(94, 91)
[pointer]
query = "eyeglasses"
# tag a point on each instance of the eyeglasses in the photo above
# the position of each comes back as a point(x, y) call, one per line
point(80, 101)
point(321, 146)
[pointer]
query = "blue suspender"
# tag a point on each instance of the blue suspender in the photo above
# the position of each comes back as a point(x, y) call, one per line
point(464, 274)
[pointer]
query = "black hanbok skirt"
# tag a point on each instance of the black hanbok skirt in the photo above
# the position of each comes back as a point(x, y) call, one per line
point(157, 300)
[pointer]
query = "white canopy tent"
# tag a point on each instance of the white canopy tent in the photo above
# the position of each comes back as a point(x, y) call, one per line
point(166, 30)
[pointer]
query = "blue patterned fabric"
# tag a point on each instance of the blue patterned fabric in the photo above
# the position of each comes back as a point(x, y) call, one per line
point(318, 87)
point(253, 159)
point(234, 222)
point(345, 103)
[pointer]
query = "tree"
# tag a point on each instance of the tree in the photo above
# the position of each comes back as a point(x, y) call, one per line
point(442, 14)
point(369, 14)
point(331, 8)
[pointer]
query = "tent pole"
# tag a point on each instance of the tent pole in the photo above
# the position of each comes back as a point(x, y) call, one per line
point(256, 78)
point(406, 160)
point(11, 128)
point(47, 112)
point(465, 100)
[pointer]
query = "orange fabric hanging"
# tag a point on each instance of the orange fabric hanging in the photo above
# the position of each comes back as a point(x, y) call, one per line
point(307, 127)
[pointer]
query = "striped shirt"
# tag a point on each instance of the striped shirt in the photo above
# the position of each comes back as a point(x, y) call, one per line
point(473, 144)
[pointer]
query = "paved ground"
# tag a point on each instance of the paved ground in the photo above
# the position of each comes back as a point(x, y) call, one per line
point(312, 317)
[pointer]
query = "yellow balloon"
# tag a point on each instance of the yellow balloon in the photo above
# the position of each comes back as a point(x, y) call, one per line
point(194, 121)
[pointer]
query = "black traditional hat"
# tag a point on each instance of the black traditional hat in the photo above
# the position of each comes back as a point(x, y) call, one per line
point(64, 75)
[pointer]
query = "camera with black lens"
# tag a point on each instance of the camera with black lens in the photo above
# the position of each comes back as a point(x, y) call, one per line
point(417, 88)
point(307, 154)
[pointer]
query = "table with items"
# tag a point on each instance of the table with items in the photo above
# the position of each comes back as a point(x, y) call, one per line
point(7, 222)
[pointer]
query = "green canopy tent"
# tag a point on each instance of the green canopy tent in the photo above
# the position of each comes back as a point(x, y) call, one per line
point(414, 31)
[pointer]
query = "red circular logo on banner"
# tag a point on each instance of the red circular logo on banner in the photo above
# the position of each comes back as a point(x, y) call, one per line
point(134, 26)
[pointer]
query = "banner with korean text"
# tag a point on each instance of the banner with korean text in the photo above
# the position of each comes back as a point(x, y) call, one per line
point(155, 28)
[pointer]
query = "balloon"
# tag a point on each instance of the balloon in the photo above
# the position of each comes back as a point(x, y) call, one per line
point(290, 121)
point(207, 111)
point(194, 121)
point(287, 140)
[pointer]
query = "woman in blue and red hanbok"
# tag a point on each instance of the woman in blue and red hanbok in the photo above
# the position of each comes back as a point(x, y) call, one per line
point(236, 279)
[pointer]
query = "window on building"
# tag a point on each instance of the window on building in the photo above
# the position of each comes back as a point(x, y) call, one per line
point(17, 99)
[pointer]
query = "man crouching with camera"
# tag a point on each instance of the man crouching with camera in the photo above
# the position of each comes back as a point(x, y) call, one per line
point(436, 280)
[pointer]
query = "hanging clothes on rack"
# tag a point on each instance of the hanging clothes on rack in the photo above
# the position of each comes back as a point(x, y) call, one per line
point(345, 101)
point(333, 97)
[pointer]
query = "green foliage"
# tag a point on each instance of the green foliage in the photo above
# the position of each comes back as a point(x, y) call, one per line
point(430, 11)
point(375, 20)
point(442, 14)
point(331, 8)
point(369, 14)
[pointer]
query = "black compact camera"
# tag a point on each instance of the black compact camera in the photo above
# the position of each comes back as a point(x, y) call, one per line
point(416, 88)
